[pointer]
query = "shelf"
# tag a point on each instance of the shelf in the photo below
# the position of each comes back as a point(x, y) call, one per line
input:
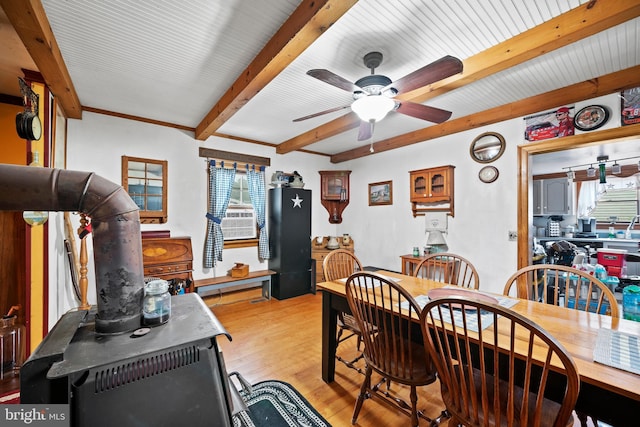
point(335, 193)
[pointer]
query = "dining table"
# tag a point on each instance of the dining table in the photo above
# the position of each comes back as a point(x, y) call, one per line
point(608, 393)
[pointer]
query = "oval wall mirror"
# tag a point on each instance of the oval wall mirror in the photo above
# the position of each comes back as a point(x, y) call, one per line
point(487, 147)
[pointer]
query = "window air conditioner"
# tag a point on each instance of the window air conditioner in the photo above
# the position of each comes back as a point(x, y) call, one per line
point(239, 224)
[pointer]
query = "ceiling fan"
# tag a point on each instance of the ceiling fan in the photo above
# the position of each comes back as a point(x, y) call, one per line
point(374, 95)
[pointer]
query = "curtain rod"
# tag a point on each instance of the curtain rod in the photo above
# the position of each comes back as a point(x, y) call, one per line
point(212, 162)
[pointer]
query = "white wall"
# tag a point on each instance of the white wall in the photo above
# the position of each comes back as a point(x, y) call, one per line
point(484, 213)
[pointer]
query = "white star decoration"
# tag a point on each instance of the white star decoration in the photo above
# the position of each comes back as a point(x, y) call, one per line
point(297, 202)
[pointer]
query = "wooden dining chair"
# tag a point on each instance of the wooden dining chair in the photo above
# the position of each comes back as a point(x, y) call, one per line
point(511, 373)
point(390, 350)
point(564, 286)
point(340, 264)
point(448, 268)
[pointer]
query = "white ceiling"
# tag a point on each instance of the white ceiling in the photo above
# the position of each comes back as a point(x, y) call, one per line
point(172, 61)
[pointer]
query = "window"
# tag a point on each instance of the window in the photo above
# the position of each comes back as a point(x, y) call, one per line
point(617, 200)
point(239, 222)
point(146, 182)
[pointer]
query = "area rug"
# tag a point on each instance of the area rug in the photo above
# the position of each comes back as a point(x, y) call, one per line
point(277, 404)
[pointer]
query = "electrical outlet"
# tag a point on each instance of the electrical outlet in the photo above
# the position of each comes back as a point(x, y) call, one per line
point(513, 235)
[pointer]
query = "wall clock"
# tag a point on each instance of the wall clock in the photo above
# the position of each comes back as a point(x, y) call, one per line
point(488, 174)
point(28, 126)
point(591, 117)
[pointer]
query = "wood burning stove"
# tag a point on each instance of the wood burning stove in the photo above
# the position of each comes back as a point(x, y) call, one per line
point(97, 361)
point(172, 375)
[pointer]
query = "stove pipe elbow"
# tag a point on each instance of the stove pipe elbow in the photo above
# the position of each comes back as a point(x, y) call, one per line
point(115, 221)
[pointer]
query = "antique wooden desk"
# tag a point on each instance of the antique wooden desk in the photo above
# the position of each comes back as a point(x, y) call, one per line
point(610, 394)
point(169, 258)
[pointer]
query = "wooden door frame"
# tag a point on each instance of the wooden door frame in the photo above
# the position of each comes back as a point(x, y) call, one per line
point(525, 151)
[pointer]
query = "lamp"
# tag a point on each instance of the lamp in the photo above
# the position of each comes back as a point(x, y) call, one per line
point(616, 168)
point(372, 107)
point(436, 241)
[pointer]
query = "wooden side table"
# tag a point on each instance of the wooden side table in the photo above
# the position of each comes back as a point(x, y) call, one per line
point(409, 263)
point(447, 269)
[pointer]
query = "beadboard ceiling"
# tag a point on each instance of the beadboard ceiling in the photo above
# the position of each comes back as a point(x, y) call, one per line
point(238, 67)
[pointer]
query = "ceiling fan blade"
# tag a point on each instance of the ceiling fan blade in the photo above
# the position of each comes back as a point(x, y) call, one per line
point(320, 113)
point(365, 131)
point(424, 112)
point(442, 68)
point(333, 79)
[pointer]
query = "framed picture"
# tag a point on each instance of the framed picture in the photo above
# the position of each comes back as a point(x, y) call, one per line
point(630, 108)
point(550, 124)
point(381, 193)
point(591, 117)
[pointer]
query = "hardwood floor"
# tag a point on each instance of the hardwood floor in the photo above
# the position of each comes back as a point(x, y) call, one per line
point(282, 340)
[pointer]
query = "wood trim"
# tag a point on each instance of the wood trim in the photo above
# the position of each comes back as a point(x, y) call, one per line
point(181, 127)
point(30, 21)
point(136, 118)
point(581, 175)
point(578, 23)
point(308, 22)
point(525, 151)
point(246, 243)
point(233, 157)
point(604, 85)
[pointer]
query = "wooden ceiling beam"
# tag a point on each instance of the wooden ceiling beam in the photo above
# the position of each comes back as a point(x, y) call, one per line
point(578, 23)
point(587, 89)
point(308, 22)
point(30, 22)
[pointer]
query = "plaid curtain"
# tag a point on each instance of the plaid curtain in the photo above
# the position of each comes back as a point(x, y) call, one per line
point(220, 184)
point(257, 193)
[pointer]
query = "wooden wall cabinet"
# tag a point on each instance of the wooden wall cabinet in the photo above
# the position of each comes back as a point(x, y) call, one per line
point(334, 194)
point(169, 258)
point(319, 252)
point(432, 190)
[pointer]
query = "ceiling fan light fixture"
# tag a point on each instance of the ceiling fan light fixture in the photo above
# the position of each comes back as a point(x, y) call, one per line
point(373, 107)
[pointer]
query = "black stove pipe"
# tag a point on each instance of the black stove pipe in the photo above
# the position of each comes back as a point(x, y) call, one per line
point(115, 221)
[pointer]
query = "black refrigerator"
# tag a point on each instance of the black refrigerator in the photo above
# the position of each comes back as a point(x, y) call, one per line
point(290, 242)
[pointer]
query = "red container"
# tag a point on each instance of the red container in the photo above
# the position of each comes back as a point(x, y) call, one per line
point(613, 260)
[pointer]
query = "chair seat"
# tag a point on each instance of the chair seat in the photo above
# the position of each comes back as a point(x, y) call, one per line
point(549, 410)
point(349, 322)
point(420, 372)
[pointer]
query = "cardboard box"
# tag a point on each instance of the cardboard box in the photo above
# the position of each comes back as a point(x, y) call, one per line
point(240, 270)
